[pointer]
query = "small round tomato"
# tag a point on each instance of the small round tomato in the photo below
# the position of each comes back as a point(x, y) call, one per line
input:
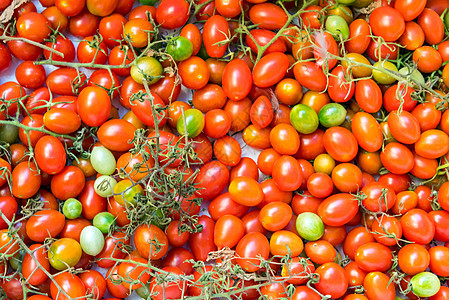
point(304, 119)
point(70, 284)
point(228, 231)
point(246, 191)
point(126, 192)
point(33, 26)
point(227, 150)
point(44, 224)
point(387, 22)
point(64, 253)
point(340, 143)
point(413, 259)
point(193, 72)
point(338, 209)
point(191, 123)
point(26, 180)
point(145, 238)
point(31, 272)
point(333, 280)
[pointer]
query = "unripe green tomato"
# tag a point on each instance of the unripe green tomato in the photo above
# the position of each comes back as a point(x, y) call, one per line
point(446, 19)
point(129, 190)
point(310, 226)
point(103, 161)
point(194, 123)
point(143, 292)
point(104, 185)
point(104, 221)
point(180, 48)
point(332, 114)
point(91, 240)
point(425, 284)
point(9, 133)
point(72, 208)
point(416, 75)
point(147, 68)
point(338, 27)
point(382, 77)
point(304, 118)
point(16, 261)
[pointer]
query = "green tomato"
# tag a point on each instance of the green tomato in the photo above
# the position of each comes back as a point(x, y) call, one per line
point(337, 26)
point(147, 68)
point(362, 3)
point(180, 48)
point(91, 240)
point(143, 292)
point(104, 221)
point(425, 284)
point(203, 53)
point(103, 161)
point(104, 185)
point(16, 261)
point(382, 77)
point(416, 75)
point(304, 118)
point(194, 122)
point(332, 114)
point(310, 226)
point(72, 208)
point(148, 2)
point(446, 19)
point(9, 133)
point(129, 191)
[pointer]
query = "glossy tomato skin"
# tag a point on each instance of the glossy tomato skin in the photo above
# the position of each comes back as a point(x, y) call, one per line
point(144, 238)
point(287, 173)
point(387, 23)
point(212, 179)
point(201, 243)
point(359, 31)
point(66, 81)
point(397, 158)
point(216, 29)
point(270, 69)
point(263, 37)
point(367, 131)
point(378, 287)
point(333, 280)
point(34, 274)
point(172, 14)
point(310, 75)
point(44, 224)
point(68, 183)
point(338, 209)
point(432, 25)
point(116, 135)
point(8, 206)
point(340, 143)
point(417, 226)
point(50, 155)
point(372, 257)
point(70, 283)
point(237, 80)
point(26, 180)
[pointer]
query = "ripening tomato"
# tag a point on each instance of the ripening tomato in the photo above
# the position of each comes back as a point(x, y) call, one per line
point(62, 120)
point(338, 209)
point(378, 286)
point(432, 143)
point(413, 36)
point(211, 180)
point(144, 239)
point(137, 32)
point(413, 259)
point(26, 180)
point(287, 173)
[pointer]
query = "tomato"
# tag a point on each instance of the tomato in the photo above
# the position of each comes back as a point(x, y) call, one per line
point(267, 15)
point(8, 206)
point(378, 286)
point(261, 37)
point(340, 143)
point(285, 242)
point(228, 231)
point(359, 31)
point(432, 144)
point(333, 280)
point(413, 259)
point(216, 30)
point(427, 115)
point(438, 254)
point(137, 31)
point(70, 284)
point(193, 72)
point(285, 139)
point(29, 75)
point(325, 44)
point(443, 49)
point(425, 284)
point(50, 155)
point(320, 185)
point(201, 243)
point(432, 25)
point(347, 178)
point(338, 209)
point(120, 55)
point(111, 28)
point(26, 180)
point(312, 16)
point(68, 183)
point(387, 22)
point(413, 36)
point(213, 172)
point(113, 248)
point(397, 158)
point(94, 282)
point(275, 215)
point(217, 123)
point(310, 75)
point(355, 274)
point(33, 26)
point(427, 59)
point(405, 201)
point(116, 135)
point(6, 57)
point(442, 294)
point(372, 257)
point(143, 110)
point(367, 131)
point(66, 81)
point(417, 226)
point(44, 224)
point(72, 228)
point(304, 119)
point(113, 284)
point(227, 150)
point(270, 69)
point(12, 92)
point(144, 239)
point(132, 272)
point(175, 236)
point(287, 173)
point(64, 253)
point(239, 112)
point(396, 182)
point(258, 138)
point(245, 191)
point(33, 272)
point(237, 80)
point(320, 252)
point(172, 14)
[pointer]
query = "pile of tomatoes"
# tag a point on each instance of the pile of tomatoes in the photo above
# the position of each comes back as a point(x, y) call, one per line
point(103, 168)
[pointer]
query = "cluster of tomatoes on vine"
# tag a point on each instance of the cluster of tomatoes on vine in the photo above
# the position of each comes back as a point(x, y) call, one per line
point(374, 104)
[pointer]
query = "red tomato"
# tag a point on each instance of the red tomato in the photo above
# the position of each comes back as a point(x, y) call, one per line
point(91, 201)
point(201, 243)
point(193, 72)
point(367, 131)
point(427, 59)
point(320, 252)
point(88, 53)
point(285, 139)
point(116, 135)
point(44, 224)
point(267, 15)
point(438, 256)
point(417, 226)
point(338, 209)
point(228, 231)
point(68, 183)
point(172, 14)
point(261, 37)
point(310, 75)
point(63, 45)
point(287, 173)
point(387, 22)
point(8, 206)
point(270, 69)
point(340, 143)
point(30, 75)
point(111, 28)
point(62, 120)
point(50, 155)
point(33, 26)
point(237, 80)
point(246, 191)
point(432, 143)
point(359, 31)
point(333, 280)
point(320, 185)
point(410, 9)
point(432, 25)
point(211, 180)
point(66, 81)
point(32, 270)
point(26, 180)
point(368, 95)
point(372, 257)
point(413, 36)
point(144, 239)
point(227, 150)
point(404, 127)
point(311, 17)
point(143, 110)
point(397, 158)
point(113, 248)
point(413, 259)
point(378, 287)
